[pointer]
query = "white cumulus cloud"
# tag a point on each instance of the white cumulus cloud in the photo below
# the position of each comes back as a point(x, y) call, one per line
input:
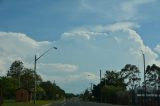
point(129, 8)
point(18, 46)
point(87, 48)
point(157, 49)
point(58, 67)
point(122, 45)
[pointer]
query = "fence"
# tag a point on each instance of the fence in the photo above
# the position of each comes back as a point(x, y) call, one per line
point(152, 98)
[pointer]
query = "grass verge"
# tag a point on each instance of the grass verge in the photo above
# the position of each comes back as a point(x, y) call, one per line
point(38, 103)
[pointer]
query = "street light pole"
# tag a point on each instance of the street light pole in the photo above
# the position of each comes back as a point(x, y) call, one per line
point(144, 76)
point(35, 64)
point(91, 87)
point(19, 80)
point(105, 81)
point(100, 86)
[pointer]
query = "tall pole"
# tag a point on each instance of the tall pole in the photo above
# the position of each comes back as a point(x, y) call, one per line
point(100, 86)
point(144, 77)
point(19, 80)
point(105, 81)
point(35, 62)
point(91, 87)
point(100, 76)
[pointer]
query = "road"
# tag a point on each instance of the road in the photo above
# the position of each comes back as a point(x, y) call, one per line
point(77, 102)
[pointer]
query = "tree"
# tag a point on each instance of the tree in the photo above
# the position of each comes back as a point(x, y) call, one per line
point(114, 83)
point(24, 77)
point(16, 70)
point(130, 73)
point(27, 79)
point(113, 78)
point(87, 96)
point(109, 93)
point(152, 76)
point(40, 92)
point(8, 86)
point(52, 91)
point(60, 93)
point(70, 95)
point(96, 92)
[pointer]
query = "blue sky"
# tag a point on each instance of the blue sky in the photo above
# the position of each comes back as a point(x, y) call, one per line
point(90, 34)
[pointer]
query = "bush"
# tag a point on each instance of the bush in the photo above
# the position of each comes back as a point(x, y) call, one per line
point(123, 97)
point(115, 95)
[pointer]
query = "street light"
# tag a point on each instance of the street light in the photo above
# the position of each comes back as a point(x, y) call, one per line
point(35, 62)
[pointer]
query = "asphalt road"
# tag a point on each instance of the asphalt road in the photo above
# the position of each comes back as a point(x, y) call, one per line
point(77, 102)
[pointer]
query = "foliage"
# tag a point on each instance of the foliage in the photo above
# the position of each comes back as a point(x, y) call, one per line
point(130, 73)
point(96, 92)
point(70, 95)
point(40, 93)
point(113, 78)
point(152, 75)
point(19, 76)
point(52, 91)
point(108, 87)
point(8, 86)
point(113, 86)
point(123, 97)
point(27, 79)
point(86, 96)
point(109, 93)
point(16, 69)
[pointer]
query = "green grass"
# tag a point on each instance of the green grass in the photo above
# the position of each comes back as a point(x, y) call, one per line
point(38, 103)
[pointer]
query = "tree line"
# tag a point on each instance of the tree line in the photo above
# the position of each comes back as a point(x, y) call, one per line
point(117, 87)
point(19, 76)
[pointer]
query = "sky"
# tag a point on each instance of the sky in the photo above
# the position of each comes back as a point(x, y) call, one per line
point(90, 35)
